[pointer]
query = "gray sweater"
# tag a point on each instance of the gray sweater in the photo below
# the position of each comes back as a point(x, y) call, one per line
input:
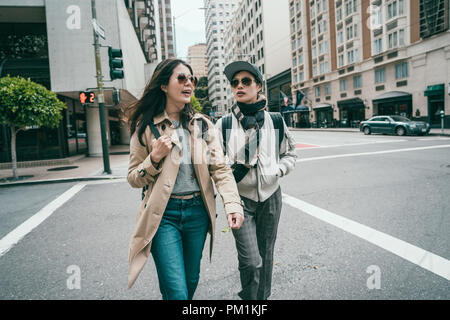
point(186, 182)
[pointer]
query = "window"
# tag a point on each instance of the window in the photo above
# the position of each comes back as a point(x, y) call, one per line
point(299, 42)
point(401, 70)
point(323, 47)
point(300, 58)
point(350, 57)
point(393, 40)
point(357, 82)
point(324, 67)
point(294, 62)
point(343, 84)
point(380, 75)
point(339, 14)
point(327, 89)
point(302, 76)
point(317, 91)
point(314, 52)
point(314, 70)
point(401, 37)
point(340, 37)
point(341, 60)
point(377, 46)
point(313, 32)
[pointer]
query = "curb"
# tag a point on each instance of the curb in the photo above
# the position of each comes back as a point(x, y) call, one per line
point(357, 131)
point(63, 180)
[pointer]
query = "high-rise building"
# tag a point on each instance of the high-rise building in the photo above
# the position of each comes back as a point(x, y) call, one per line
point(197, 60)
point(166, 29)
point(357, 58)
point(259, 33)
point(217, 14)
point(145, 17)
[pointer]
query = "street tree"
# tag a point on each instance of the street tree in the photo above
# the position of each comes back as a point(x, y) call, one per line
point(195, 104)
point(25, 104)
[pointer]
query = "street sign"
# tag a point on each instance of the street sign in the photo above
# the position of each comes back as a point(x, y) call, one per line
point(98, 29)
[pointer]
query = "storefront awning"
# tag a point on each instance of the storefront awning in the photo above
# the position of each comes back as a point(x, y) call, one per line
point(302, 108)
point(351, 103)
point(322, 106)
point(434, 90)
point(392, 96)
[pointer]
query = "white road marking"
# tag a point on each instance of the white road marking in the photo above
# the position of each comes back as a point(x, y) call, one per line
point(432, 139)
point(403, 249)
point(12, 238)
point(372, 153)
point(351, 144)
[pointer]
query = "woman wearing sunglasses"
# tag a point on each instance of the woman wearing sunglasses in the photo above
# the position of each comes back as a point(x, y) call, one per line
point(259, 157)
point(174, 152)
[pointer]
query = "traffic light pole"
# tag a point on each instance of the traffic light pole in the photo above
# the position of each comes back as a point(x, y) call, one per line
point(101, 96)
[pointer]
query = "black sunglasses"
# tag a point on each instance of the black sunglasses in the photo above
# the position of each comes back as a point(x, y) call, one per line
point(245, 81)
point(182, 79)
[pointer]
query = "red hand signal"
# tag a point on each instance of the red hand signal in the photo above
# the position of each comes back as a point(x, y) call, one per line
point(83, 97)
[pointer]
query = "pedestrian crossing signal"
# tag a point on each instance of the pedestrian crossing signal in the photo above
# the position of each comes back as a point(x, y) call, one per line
point(87, 97)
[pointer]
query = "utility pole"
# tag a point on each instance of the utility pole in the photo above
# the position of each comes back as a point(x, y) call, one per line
point(100, 95)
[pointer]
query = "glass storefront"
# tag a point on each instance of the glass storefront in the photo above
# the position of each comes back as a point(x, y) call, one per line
point(352, 112)
point(393, 103)
point(324, 116)
point(76, 135)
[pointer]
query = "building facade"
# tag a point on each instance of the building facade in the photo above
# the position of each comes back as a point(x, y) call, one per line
point(62, 59)
point(217, 15)
point(357, 58)
point(197, 60)
point(259, 33)
point(166, 29)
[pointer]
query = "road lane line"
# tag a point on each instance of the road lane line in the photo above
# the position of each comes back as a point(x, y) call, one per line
point(403, 249)
point(372, 153)
point(350, 144)
point(12, 238)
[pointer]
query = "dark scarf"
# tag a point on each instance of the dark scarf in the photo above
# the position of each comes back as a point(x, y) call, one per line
point(250, 114)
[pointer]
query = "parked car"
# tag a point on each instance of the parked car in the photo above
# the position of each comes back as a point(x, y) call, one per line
point(394, 125)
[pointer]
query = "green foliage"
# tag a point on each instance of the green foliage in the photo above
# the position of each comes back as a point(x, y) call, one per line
point(201, 93)
point(203, 82)
point(26, 46)
point(195, 104)
point(25, 103)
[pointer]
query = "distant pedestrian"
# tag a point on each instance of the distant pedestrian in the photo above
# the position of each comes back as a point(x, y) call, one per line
point(259, 159)
point(174, 152)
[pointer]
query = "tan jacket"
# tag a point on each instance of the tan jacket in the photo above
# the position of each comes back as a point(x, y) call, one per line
point(208, 161)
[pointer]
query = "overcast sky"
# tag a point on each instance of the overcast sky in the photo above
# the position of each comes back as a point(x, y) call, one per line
point(189, 24)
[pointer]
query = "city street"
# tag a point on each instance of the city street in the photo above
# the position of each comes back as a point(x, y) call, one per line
point(364, 217)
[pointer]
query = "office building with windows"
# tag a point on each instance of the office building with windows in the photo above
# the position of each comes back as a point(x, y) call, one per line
point(358, 58)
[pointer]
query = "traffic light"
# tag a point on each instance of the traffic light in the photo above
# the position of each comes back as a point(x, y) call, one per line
point(115, 63)
point(87, 97)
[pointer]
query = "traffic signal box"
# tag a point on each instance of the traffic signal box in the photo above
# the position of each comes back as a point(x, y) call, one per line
point(115, 63)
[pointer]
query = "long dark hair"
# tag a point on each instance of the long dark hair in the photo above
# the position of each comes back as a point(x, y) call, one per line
point(140, 114)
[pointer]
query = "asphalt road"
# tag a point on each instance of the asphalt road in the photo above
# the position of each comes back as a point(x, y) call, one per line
point(395, 186)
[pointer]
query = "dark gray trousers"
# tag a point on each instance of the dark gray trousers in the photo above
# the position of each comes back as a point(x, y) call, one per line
point(255, 241)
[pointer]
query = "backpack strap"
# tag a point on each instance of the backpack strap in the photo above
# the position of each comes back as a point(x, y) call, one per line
point(278, 124)
point(226, 125)
point(156, 133)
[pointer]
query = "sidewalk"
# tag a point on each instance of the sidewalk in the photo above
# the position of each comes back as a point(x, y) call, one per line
point(78, 168)
point(433, 132)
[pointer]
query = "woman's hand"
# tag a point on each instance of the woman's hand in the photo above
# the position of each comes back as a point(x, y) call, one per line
point(160, 148)
point(235, 220)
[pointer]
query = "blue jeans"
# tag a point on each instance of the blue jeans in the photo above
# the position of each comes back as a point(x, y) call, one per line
point(177, 247)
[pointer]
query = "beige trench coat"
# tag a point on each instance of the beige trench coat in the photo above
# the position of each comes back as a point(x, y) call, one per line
point(208, 161)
